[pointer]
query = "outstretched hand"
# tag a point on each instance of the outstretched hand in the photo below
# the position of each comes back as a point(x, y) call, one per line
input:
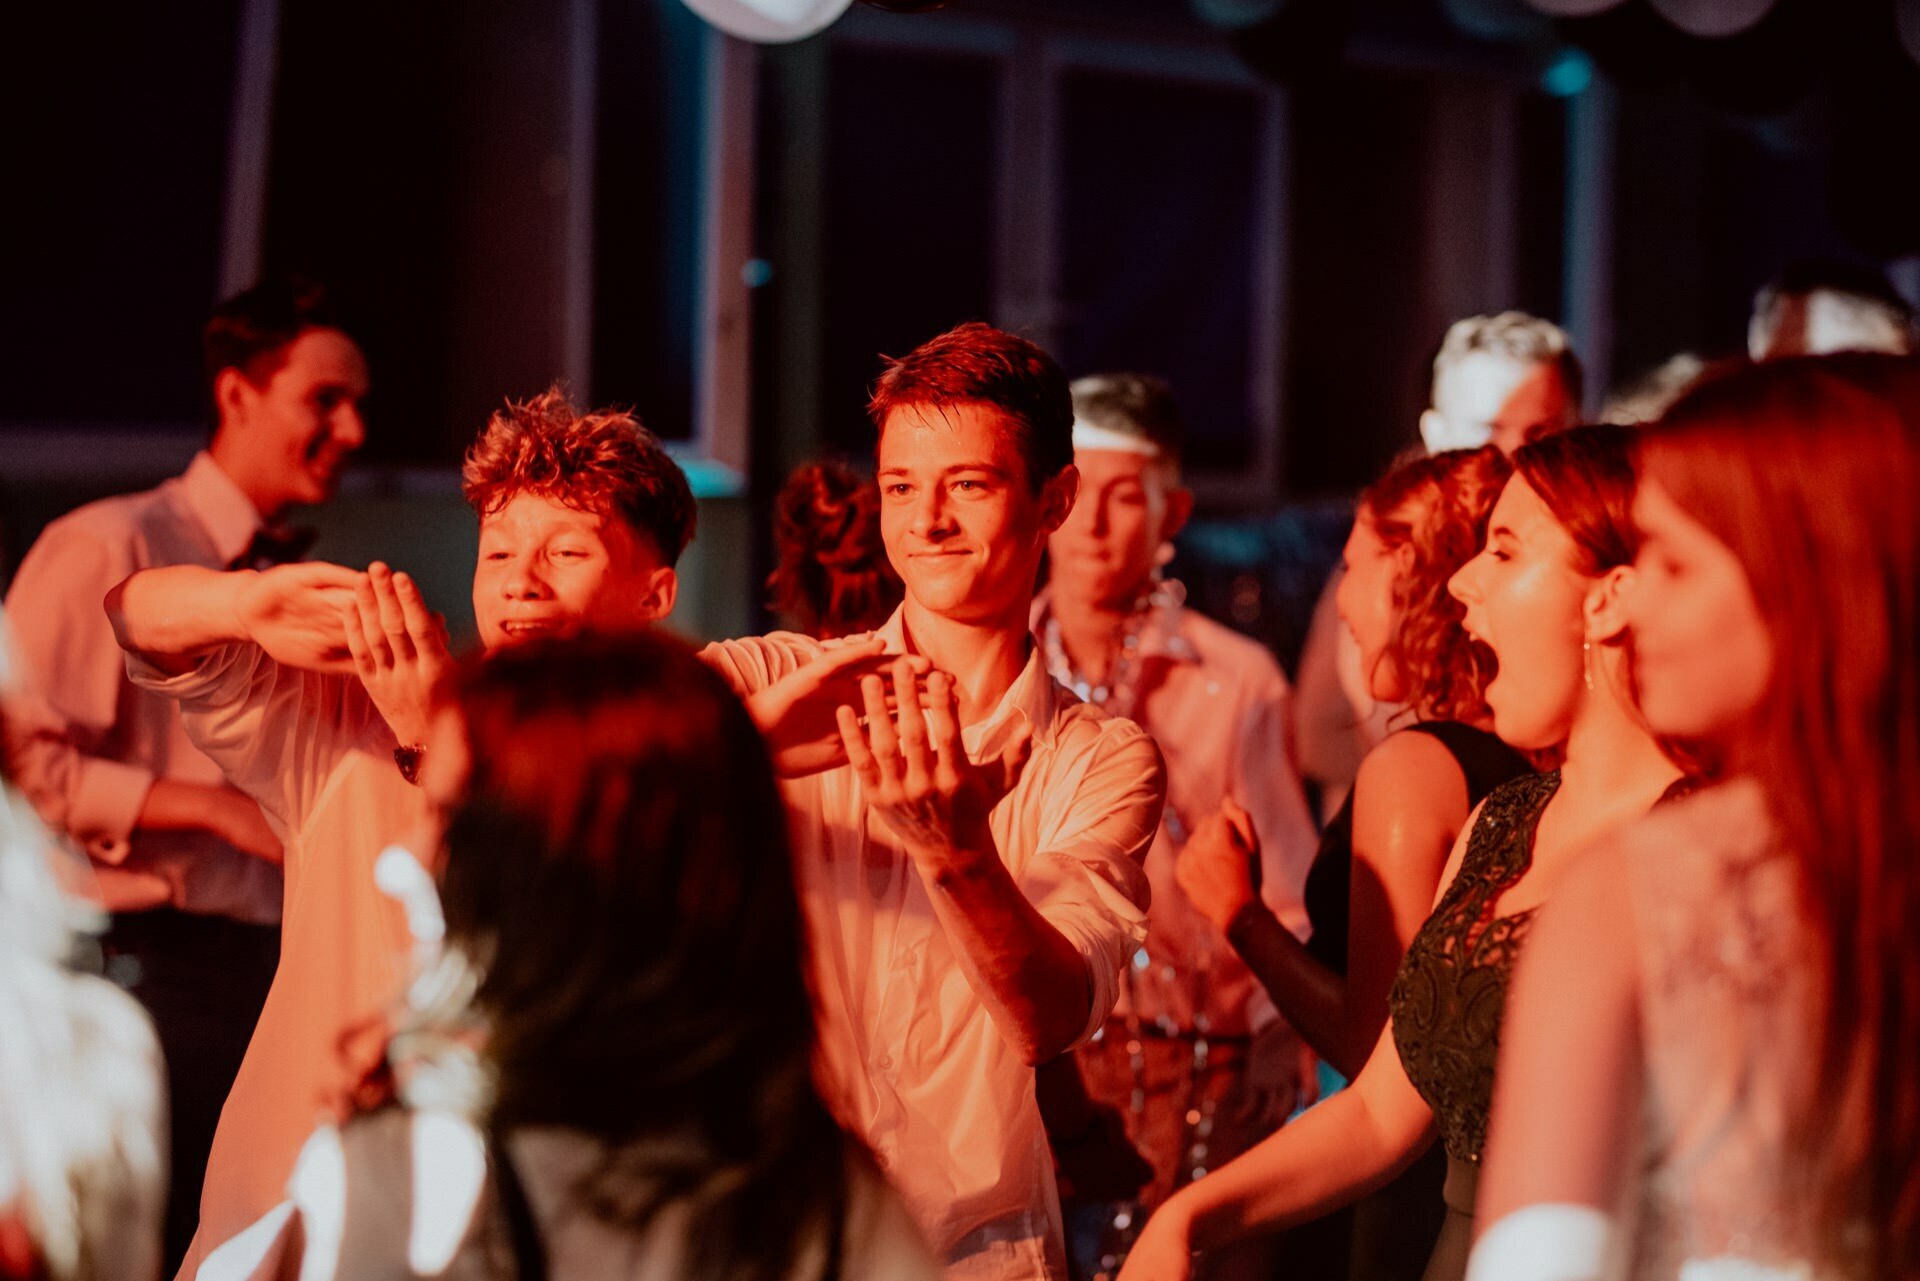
point(916, 772)
point(1219, 866)
point(399, 649)
point(796, 714)
point(293, 613)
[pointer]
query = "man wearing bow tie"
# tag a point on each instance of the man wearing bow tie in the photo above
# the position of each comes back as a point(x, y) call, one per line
point(184, 864)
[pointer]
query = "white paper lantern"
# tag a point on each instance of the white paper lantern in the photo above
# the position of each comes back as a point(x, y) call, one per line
point(770, 21)
point(1713, 19)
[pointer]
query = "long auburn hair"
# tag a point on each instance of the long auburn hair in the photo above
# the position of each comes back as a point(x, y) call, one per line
point(618, 877)
point(1438, 507)
point(1809, 480)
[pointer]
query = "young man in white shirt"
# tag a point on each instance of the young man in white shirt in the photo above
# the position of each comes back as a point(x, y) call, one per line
point(970, 866)
point(184, 863)
point(309, 685)
point(1178, 1061)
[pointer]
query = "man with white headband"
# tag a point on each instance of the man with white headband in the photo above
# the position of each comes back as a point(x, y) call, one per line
point(1175, 1065)
point(1499, 379)
point(967, 835)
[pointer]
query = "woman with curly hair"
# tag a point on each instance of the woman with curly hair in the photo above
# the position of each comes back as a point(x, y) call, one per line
point(833, 578)
point(1373, 880)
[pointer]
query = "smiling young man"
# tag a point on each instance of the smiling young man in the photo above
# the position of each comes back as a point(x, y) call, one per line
point(309, 685)
point(971, 868)
point(185, 864)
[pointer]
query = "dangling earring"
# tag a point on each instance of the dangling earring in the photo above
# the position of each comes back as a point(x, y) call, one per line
point(1586, 663)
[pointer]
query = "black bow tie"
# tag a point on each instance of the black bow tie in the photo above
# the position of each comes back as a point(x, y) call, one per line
point(275, 545)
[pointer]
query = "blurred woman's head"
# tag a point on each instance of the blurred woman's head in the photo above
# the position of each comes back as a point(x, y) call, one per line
point(1546, 592)
point(616, 874)
point(1781, 616)
point(1414, 529)
point(832, 577)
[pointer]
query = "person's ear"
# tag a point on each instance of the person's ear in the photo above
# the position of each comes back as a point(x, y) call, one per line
point(662, 590)
point(1057, 496)
point(1179, 512)
point(1604, 613)
point(229, 395)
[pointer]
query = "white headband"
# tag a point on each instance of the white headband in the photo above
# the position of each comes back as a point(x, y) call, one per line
point(1092, 437)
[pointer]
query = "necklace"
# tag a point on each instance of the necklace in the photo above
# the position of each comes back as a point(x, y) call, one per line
point(1154, 611)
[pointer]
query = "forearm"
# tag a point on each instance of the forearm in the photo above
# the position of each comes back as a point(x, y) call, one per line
point(1032, 979)
point(1308, 994)
point(171, 616)
point(1329, 1157)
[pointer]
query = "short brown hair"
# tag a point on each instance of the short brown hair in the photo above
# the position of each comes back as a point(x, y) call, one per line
point(603, 462)
point(976, 363)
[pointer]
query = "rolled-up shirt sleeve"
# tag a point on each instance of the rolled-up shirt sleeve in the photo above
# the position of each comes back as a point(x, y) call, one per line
point(67, 703)
point(1086, 876)
point(276, 732)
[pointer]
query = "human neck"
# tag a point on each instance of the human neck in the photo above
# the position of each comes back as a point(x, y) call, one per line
point(1090, 629)
point(269, 504)
point(984, 656)
point(1610, 753)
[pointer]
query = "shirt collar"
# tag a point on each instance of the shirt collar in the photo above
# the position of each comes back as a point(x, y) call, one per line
point(1033, 693)
point(226, 513)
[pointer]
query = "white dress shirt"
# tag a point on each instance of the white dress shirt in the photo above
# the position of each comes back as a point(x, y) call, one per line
point(910, 1055)
point(315, 753)
point(87, 745)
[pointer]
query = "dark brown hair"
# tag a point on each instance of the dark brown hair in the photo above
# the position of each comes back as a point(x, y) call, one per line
point(1438, 506)
point(1810, 481)
point(603, 462)
point(251, 331)
point(833, 577)
point(977, 364)
point(1585, 477)
point(619, 876)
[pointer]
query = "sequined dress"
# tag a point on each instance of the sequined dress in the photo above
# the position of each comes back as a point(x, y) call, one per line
point(1451, 994)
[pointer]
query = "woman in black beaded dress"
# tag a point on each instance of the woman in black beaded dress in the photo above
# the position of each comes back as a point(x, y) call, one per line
point(1546, 595)
point(1373, 879)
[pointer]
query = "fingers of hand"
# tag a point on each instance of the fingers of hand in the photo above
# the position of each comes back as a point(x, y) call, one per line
point(356, 639)
point(883, 743)
point(365, 619)
point(307, 575)
point(392, 619)
point(943, 724)
point(421, 623)
point(911, 729)
point(854, 740)
point(853, 658)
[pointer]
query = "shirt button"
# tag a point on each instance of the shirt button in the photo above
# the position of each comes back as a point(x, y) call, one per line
point(886, 1063)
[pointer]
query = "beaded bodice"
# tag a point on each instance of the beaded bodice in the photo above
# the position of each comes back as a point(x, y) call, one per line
point(1451, 992)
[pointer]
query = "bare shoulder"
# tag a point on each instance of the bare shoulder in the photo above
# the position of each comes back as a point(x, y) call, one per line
point(1409, 770)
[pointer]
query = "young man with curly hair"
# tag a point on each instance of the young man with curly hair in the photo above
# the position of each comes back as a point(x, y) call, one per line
point(309, 684)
